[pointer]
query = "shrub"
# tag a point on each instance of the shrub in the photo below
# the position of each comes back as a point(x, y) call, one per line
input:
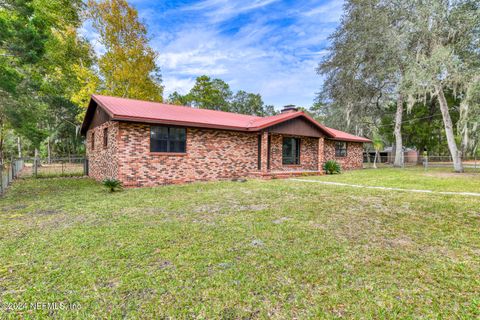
point(112, 185)
point(332, 167)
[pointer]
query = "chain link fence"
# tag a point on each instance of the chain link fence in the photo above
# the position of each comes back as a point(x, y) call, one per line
point(9, 172)
point(470, 164)
point(41, 168)
point(55, 167)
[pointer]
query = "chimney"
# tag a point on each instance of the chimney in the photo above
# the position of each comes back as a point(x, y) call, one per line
point(289, 108)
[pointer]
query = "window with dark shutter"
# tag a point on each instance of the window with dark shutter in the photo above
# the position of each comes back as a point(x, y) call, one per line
point(168, 139)
point(340, 149)
point(93, 140)
point(291, 151)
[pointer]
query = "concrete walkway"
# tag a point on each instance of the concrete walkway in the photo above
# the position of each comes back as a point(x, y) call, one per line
point(473, 194)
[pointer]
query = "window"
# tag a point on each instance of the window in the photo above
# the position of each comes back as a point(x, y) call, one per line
point(291, 151)
point(167, 139)
point(93, 140)
point(105, 137)
point(340, 149)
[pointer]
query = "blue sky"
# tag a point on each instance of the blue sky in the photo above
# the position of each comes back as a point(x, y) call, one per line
point(269, 47)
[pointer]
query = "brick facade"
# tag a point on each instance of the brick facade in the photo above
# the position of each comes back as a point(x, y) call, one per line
point(211, 154)
point(308, 154)
point(354, 158)
point(103, 161)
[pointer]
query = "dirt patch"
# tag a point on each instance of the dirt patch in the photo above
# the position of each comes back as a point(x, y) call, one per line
point(280, 220)
point(222, 208)
point(45, 212)
point(15, 207)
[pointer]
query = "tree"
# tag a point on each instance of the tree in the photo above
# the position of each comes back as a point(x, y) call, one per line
point(366, 67)
point(128, 67)
point(247, 103)
point(422, 127)
point(377, 145)
point(179, 99)
point(469, 124)
point(40, 43)
point(446, 58)
point(210, 93)
point(269, 110)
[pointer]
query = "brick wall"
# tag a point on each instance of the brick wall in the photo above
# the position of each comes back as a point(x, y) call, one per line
point(354, 158)
point(211, 154)
point(103, 161)
point(308, 154)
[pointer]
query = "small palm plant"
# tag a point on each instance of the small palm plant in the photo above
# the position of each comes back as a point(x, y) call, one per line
point(112, 185)
point(332, 167)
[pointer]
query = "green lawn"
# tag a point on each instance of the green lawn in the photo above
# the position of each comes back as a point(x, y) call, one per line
point(436, 179)
point(276, 249)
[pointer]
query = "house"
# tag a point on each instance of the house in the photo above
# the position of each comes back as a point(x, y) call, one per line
point(146, 143)
point(387, 155)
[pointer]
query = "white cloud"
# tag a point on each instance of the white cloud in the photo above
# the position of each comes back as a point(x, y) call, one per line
point(174, 83)
point(327, 12)
point(265, 54)
point(221, 10)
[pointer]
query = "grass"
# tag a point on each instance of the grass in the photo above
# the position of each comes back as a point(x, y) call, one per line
point(53, 170)
point(436, 179)
point(261, 249)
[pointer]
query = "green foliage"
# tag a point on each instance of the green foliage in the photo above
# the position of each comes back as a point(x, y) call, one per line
point(112, 185)
point(40, 49)
point(247, 103)
point(179, 99)
point(215, 94)
point(422, 127)
point(332, 167)
point(210, 93)
point(384, 51)
point(377, 142)
point(128, 66)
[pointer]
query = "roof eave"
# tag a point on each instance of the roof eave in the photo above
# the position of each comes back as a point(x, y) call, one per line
point(180, 123)
point(360, 140)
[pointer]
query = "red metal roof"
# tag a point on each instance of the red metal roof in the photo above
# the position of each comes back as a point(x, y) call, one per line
point(154, 112)
point(344, 136)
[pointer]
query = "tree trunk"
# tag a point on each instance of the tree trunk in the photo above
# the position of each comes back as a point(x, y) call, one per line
point(447, 121)
point(398, 163)
point(1, 145)
point(375, 160)
point(49, 155)
point(19, 147)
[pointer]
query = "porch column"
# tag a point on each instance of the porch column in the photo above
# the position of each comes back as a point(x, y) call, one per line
point(321, 153)
point(264, 152)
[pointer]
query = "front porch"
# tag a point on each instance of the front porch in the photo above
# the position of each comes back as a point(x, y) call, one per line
point(285, 152)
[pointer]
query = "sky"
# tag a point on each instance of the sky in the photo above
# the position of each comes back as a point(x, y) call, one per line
point(270, 47)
